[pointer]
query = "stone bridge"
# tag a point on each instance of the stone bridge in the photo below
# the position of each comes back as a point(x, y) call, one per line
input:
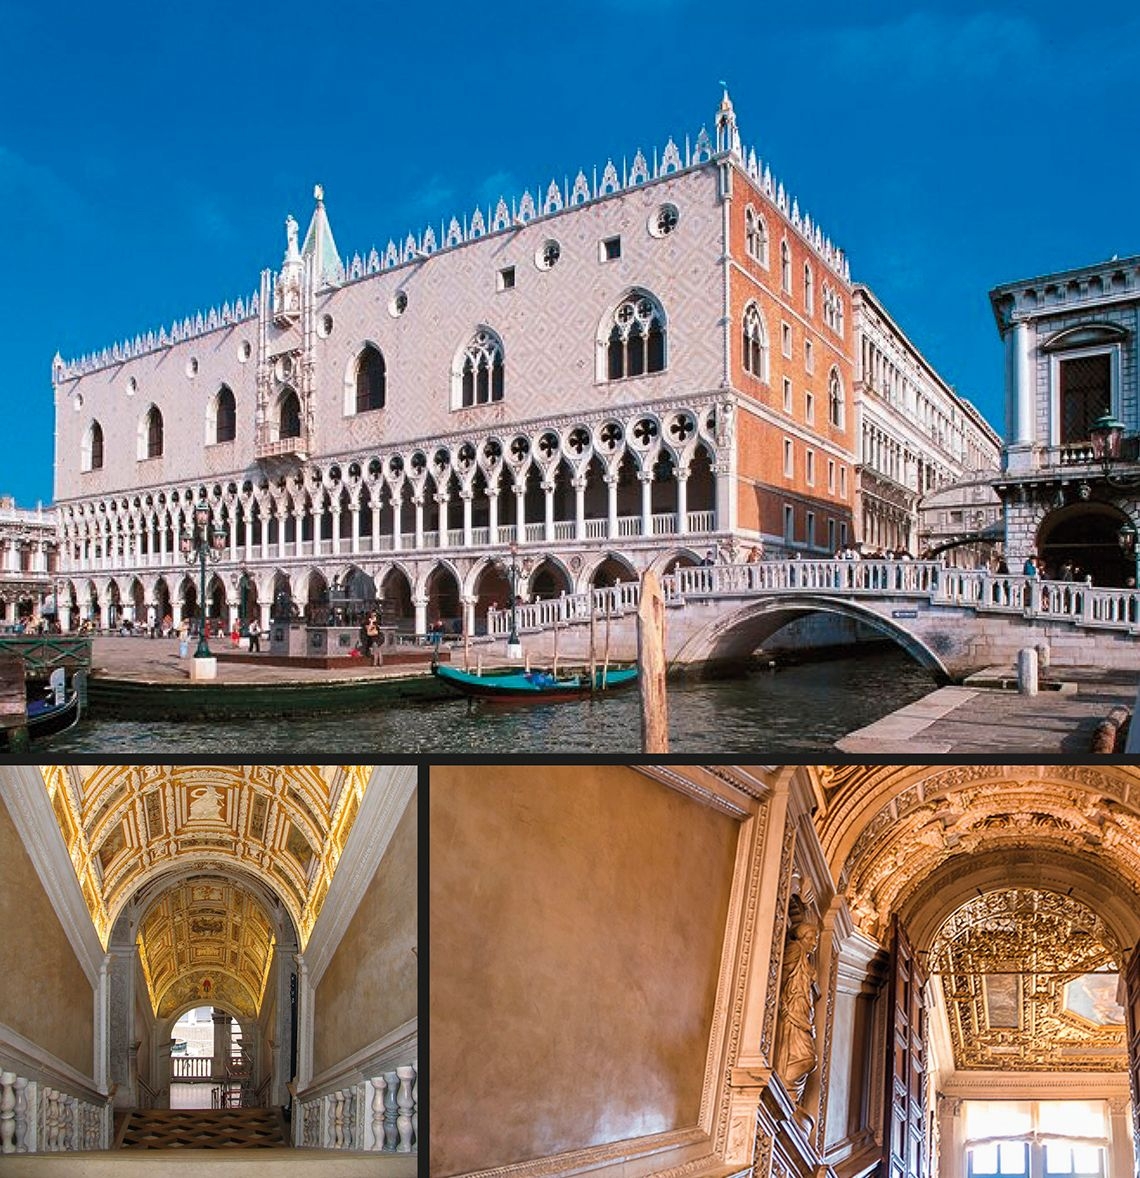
point(953, 621)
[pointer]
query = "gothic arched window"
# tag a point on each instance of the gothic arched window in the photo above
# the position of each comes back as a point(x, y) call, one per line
point(92, 454)
point(371, 379)
point(755, 236)
point(785, 267)
point(289, 417)
point(636, 343)
point(225, 415)
point(755, 343)
point(835, 399)
point(478, 379)
point(809, 290)
point(153, 432)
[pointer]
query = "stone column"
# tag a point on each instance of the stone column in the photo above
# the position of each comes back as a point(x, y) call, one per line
point(1019, 398)
point(334, 512)
point(645, 477)
point(682, 502)
point(421, 604)
point(223, 1038)
point(612, 516)
point(121, 1012)
point(375, 501)
point(418, 502)
point(467, 495)
point(520, 514)
point(580, 508)
point(469, 615)
point(1120, 1138)
point(493, 514)
point(442, 500)
point(234, 534)
point(354, 507)
point(548, 518)
point(950, 1160)
point(397, 513)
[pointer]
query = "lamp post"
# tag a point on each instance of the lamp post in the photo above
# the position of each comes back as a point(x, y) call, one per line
point(514, 568)
point(204, 537)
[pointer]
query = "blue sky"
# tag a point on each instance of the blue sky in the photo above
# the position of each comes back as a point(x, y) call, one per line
point(150, 152)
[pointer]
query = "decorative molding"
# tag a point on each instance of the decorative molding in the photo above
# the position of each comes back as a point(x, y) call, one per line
point(779, 931)
point(389, 790)
point(717, 789)
point(625, 1154)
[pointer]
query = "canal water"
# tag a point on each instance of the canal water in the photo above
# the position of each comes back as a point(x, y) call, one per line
point(803, 708)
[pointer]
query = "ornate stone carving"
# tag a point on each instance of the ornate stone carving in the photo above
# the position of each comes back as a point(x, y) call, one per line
point(797, 1053)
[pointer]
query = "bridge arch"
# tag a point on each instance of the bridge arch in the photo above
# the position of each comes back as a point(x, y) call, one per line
point(733, 637)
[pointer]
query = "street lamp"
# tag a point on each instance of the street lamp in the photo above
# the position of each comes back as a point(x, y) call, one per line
point(514, 568)
point(1126, 538)
point(204, 537)
point(1105, 434)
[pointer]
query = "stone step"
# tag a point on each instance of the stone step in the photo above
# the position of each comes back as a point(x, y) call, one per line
point(236, 1128)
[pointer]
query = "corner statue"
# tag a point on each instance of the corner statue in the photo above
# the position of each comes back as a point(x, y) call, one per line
point(795, 1027)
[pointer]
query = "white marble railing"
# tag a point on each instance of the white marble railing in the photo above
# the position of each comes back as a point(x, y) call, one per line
point(37, 1117)
point(978, 590)
point(378, 1113)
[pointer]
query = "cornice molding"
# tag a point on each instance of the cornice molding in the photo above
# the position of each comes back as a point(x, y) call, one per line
point(633, 1156)
point(730, 789)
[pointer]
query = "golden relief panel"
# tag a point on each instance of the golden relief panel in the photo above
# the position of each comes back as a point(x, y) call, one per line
point(1029, 979)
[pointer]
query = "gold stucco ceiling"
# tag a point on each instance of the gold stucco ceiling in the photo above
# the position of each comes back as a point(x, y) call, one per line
point(1029, 981)
point(887, 830)
point(206, 941)
point(125, 825)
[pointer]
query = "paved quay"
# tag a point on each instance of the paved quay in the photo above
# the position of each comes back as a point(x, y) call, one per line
point(982, 720)
point(156, 660)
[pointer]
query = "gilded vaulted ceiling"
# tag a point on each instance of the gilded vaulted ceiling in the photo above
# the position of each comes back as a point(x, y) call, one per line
point(887, 831)
point(206, 941)
point(124, 825)
point(1029, 980)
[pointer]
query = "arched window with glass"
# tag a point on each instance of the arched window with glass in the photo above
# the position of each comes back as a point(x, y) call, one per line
point(635, 345)
point(289, 415)
point(225, 415)
point(479, 377)
point(785, 267)
point(371, 379)
point(755, 343)
point(755, 236)
point(152, 440)
point(92, 450)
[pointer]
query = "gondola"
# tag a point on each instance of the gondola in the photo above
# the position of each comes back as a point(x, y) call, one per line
point(46, 718)
point(502, 686)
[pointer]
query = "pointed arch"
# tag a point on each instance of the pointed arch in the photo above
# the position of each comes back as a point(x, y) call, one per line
point(632, 338)
point(755, 236)
point(478, 374)
point(755, 343)
point(366, 381)
point(91, 452)
point(151, 439)
point(221, 417)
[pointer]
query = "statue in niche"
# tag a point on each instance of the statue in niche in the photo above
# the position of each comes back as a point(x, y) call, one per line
point(206, 805)
point(795, 1028)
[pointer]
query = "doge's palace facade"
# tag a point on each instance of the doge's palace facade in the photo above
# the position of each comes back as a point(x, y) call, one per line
point(626, 371)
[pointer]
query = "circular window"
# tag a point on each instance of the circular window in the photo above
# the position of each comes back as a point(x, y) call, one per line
point(664, 221)
point(192, 366)
point(398, 304)
point(132, 386)
point(244, 351)
point(547, 255)
point(324, 328)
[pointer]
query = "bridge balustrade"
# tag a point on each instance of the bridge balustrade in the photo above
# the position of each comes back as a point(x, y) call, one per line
point(975, 589)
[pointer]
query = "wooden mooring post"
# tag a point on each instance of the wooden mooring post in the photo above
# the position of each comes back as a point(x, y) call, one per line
point(651, 665)
point(14, 703)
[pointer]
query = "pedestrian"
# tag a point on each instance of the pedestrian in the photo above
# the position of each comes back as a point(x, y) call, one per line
point(254, 636)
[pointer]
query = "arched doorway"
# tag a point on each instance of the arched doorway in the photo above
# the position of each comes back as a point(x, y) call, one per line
point(492, 588)
point(1087, 538)
point(212, 1060)
point(548, 581)
point(396, 607)
point(612, 571)
point(443, 607)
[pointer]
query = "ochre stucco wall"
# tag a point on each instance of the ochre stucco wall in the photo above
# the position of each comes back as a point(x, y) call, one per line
point(45, 994)
point(369, 987)
point(577, 916)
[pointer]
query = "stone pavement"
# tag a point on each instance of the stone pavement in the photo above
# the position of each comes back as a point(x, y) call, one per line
point(969, 720)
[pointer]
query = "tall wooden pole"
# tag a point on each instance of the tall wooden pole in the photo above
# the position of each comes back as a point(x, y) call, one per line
point(651, 665)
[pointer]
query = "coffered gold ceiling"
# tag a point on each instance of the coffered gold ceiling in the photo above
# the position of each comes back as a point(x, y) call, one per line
point(206, 940)
point(887, 830)
point(124, 825)
point(1029, 981)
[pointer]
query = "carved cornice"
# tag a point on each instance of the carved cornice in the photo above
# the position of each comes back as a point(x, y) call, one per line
point(729, 790)
point(598, 1157)
point(779, 929)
